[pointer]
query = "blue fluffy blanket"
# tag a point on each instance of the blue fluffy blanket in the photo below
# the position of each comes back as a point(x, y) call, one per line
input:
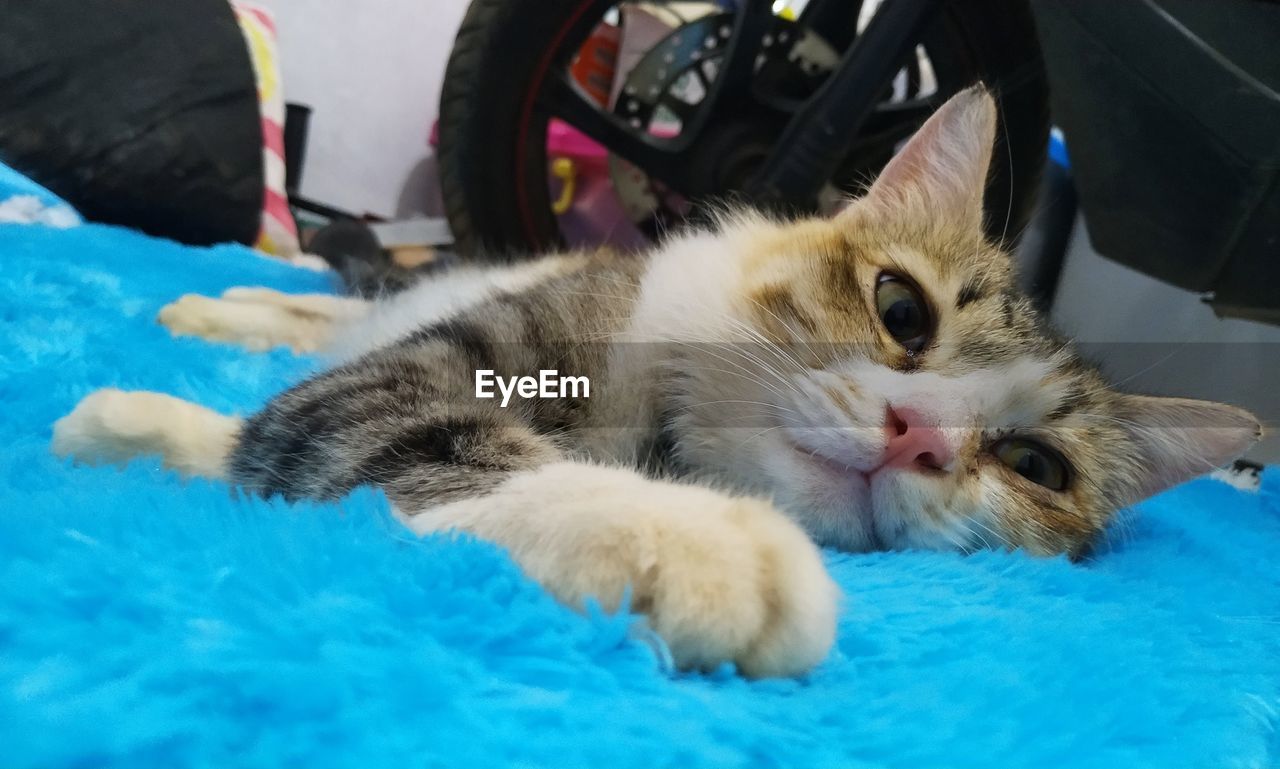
point(148, 622)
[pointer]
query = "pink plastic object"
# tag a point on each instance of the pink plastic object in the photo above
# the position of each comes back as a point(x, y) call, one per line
point(595, 215)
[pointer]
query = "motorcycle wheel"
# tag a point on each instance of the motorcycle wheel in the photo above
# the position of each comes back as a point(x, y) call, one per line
point(494, 117)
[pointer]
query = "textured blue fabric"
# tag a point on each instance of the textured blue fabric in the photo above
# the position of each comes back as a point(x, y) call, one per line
point(147, 622)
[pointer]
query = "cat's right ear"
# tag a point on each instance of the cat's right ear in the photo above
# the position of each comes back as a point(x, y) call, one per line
point(942, 170)
point(1177, 439)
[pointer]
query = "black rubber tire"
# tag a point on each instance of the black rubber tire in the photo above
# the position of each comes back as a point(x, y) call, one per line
point(502, 43)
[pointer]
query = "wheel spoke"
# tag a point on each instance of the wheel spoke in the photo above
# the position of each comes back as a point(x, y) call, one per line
point(820, 134)
point(732, 83)
point(835, 20)
point(562, 99)
point(682, 109)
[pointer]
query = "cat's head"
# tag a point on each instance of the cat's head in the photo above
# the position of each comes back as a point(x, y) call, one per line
point(890, 387)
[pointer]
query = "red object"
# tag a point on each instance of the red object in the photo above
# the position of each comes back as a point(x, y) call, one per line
point(596, 62)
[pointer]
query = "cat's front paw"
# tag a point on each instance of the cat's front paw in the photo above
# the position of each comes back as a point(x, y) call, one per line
point(721, 578)
point(744, 584)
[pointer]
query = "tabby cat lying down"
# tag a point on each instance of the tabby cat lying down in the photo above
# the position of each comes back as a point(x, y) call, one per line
point(866, 381)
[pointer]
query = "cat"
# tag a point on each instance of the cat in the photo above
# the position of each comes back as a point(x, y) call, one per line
point(868, 380)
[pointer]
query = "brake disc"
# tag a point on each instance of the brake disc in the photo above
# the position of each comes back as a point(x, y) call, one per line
point(664, 90)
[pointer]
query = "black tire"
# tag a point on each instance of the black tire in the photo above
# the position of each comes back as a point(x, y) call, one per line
point(503, 45)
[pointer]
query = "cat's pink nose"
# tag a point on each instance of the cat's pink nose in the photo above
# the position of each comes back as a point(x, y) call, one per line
point(915, 441)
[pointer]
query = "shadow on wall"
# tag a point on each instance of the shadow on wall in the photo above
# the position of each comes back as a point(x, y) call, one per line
point(421, 191)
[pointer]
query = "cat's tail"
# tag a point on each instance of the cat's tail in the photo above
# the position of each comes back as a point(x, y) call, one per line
point(113, 427)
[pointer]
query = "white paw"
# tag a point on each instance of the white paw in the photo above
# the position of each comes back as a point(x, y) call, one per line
point(309, 262)
point(720, 578)
point(252, 320)
point(207, 318)
point(305, 307)
point(112, 427)
point(255, 294)
point(745, 585)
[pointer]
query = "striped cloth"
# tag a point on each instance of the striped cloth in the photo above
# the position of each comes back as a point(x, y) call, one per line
point(278, 234)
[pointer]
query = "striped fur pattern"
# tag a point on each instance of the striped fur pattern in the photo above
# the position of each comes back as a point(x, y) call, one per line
point(405, 415)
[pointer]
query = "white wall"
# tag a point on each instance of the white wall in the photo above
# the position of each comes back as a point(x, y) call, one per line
point(372, 70)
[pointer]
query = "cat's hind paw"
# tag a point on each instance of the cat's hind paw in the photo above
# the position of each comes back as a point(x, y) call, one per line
point(260, 318)
point(112, 426)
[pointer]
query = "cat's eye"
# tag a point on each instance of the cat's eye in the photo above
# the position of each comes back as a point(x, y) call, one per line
point(903, 311)
point(1038, 464)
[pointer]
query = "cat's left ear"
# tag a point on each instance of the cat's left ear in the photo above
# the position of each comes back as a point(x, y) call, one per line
point(1177, 439)
point(942, 170)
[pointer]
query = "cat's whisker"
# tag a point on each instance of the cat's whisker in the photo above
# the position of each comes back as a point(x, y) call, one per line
point(966, 539)
point(762, 366)
point(1008, 148)
point(748, 373)
point(620, 280)
point(765, 369)
point(1155, 365)
point(787, 326)
point(764, 342)
point(699, 404)
point(780, 354)
point(1125, 529)
point(747, 376)
point(593, 294)
point(998, 537)
point(756, 436)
